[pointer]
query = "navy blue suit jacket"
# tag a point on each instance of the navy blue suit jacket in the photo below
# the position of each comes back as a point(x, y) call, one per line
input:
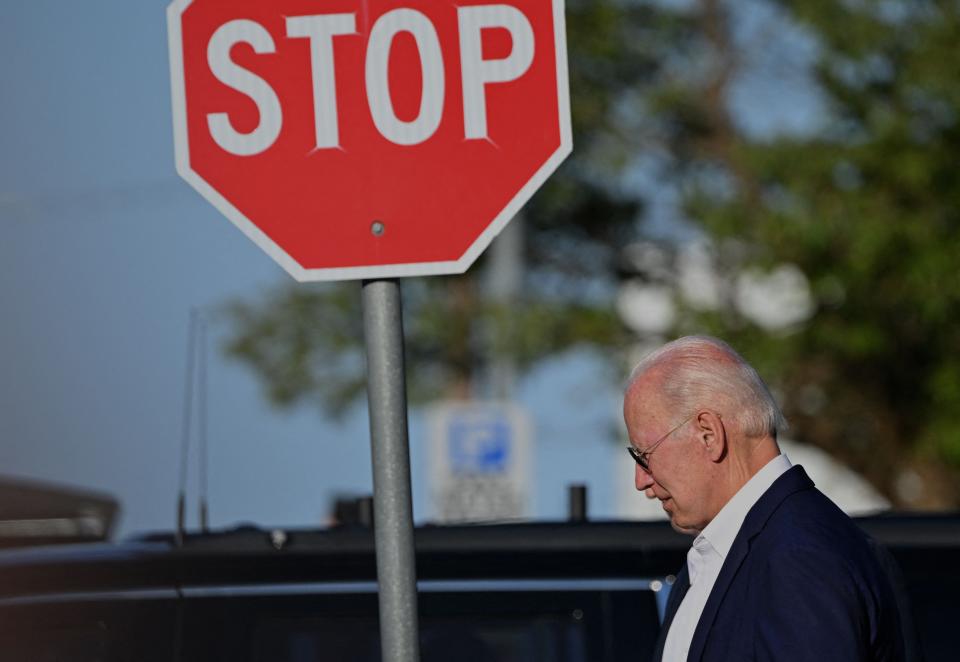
point(800, 583)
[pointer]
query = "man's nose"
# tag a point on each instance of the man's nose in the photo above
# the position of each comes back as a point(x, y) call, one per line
point(642, 479)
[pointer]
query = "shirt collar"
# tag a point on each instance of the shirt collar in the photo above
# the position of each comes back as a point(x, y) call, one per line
point(723, 529)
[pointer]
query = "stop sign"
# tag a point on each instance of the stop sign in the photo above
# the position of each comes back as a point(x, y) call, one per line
point(353, 139)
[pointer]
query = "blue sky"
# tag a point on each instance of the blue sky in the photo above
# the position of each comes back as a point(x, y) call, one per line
point(104, 252)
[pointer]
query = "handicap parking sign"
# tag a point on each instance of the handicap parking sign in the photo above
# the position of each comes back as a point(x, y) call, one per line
point(479, 462)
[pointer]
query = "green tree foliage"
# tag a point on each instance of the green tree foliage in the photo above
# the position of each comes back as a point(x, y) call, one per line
point(868, 209)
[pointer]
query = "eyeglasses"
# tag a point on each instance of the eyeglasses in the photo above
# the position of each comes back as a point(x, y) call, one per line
point(640, 457)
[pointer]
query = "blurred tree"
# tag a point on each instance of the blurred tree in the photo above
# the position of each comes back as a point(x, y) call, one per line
point(848, 233)
point(867, 209)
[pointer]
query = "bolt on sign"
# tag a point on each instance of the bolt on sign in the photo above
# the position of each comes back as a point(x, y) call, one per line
point(355, 140)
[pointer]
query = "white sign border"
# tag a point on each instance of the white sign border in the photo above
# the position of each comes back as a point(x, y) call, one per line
point(182, 156)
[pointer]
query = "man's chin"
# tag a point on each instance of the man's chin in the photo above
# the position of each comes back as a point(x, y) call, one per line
point(683, 528)
point(679, 526)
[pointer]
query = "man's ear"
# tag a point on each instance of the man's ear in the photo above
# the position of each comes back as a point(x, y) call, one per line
point(712, 434)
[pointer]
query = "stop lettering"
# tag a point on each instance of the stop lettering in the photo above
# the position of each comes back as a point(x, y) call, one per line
point(368, 139)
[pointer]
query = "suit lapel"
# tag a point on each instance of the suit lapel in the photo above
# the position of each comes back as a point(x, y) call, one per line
point(679, 589)
point(793, 480)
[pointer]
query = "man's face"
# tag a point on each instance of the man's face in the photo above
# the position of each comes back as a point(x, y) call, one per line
point(676, 474)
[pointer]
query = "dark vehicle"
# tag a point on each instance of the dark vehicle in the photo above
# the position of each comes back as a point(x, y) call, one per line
point(552, 592)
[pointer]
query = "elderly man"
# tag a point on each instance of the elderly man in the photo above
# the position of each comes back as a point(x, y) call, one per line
point(776, 571)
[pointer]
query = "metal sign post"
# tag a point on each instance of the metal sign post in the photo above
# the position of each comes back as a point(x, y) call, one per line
point(390, 451)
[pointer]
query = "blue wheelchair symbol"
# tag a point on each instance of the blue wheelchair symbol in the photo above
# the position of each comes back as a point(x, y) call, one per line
point(479, 447)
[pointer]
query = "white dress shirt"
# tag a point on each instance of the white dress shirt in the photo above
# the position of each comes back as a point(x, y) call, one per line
point(708, 552)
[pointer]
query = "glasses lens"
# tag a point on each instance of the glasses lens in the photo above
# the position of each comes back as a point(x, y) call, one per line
point(638, 457)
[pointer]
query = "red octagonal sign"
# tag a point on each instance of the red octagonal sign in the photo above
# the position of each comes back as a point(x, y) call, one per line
point(364, 139)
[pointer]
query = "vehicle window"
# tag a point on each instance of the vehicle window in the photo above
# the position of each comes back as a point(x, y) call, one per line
point(89, 631)
point(933, 597)
point(442, 640)
point(540, 626)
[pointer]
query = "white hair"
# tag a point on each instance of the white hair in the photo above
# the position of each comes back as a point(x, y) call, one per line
point(702, 371)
